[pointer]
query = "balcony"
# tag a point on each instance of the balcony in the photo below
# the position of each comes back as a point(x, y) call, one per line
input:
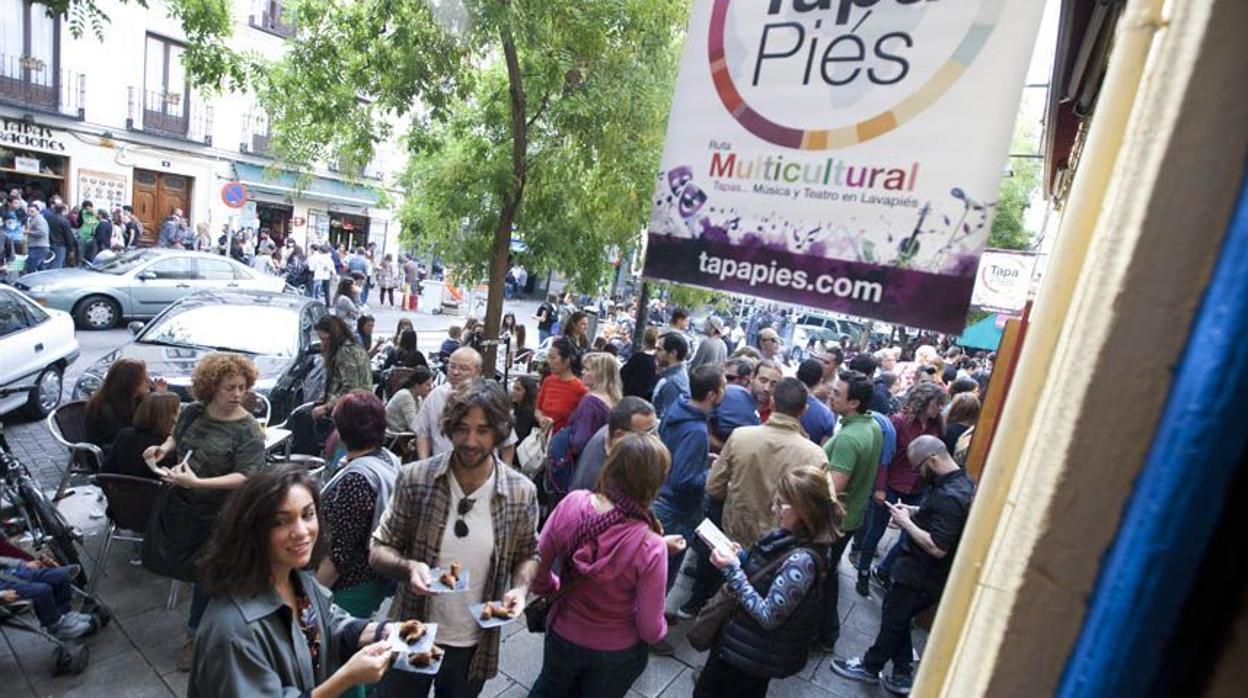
point(167, 114)
point(256, 133)
point(371, 171)
point(32, 83)
point(269, 16)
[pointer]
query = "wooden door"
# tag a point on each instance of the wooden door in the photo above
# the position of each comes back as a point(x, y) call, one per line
point(156, 195)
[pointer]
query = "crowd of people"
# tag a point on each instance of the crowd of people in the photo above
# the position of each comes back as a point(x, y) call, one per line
point(575, 493)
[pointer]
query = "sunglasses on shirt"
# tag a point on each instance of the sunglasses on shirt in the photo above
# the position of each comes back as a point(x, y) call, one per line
point(461, 526)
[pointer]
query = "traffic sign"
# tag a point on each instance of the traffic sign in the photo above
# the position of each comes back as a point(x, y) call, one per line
point(234, 194)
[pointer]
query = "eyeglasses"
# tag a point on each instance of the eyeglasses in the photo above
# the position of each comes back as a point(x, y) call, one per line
point(769, 339)
point(779, 506)
point(461, 526)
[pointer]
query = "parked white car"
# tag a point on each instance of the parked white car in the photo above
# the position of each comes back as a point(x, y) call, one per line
point(36, 346)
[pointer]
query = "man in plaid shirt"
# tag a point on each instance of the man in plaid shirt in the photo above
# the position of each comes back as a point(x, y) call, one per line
point(468, 507)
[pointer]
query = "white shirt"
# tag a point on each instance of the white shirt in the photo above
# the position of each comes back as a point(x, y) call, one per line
point(456, 626)
point(322, 266)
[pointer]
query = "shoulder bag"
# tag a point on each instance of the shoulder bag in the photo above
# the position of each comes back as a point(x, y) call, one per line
point(710, 620)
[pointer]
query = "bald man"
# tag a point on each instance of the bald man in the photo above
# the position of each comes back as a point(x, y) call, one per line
point(462, 367)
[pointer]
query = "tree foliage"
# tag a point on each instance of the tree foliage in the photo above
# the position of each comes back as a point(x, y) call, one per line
point(1017, 188)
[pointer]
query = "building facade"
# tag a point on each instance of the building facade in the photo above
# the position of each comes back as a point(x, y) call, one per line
point(114, 121)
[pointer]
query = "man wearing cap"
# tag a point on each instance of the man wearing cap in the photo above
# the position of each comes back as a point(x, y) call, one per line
point(711, 350)
point(919, 575)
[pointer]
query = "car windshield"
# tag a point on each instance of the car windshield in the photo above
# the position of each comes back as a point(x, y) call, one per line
point(253, 329)
point(125, 262)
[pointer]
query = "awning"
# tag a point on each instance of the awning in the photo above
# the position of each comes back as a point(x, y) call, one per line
point(316, 188)
point(984, 334)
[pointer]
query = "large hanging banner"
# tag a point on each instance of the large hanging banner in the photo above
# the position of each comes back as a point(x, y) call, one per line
point(842, 154)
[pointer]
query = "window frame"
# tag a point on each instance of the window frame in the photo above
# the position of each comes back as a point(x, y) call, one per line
point(165, 122)
point(11, 87)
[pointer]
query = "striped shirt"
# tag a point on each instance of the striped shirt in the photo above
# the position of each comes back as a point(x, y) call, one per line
point(415, 522)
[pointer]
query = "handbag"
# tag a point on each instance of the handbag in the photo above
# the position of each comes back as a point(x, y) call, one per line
point(174, 537)
point(537, 610)
point(531, 453)
point(710, 620)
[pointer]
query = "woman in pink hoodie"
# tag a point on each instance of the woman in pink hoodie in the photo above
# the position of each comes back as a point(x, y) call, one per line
point(614, 567)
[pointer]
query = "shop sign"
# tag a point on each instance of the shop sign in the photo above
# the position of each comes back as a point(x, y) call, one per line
point(1003, 282)
point(22, 164)
point(841, 154)
point(106, 189)
point(23, 134)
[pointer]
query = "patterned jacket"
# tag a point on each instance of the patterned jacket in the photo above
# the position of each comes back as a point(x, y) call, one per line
point(415, 521)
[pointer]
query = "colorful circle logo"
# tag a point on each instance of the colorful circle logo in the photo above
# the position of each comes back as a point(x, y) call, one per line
point(867, 129)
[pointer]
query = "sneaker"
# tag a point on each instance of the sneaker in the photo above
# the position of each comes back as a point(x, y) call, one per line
point(686, 612)
point(853, 670)
point(69, 627)
point(863, 587)
point(187, 655)
point(662, 648)
point(84, 617)
point(897, 683)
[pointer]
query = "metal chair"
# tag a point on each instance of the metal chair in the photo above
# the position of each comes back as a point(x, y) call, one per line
point(130, 501)
point(68, 424)
point(259, 407)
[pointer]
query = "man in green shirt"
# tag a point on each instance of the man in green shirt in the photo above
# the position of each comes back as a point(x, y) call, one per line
point(853, 458)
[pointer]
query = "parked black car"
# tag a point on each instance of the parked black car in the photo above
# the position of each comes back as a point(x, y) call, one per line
point(274, 330)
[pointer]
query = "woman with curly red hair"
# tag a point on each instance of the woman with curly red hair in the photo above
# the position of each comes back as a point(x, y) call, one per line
point(218, 444)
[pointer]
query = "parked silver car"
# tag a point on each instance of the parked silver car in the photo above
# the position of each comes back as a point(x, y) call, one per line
point(139, 284)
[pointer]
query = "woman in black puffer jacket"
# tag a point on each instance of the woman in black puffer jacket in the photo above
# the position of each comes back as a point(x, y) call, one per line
point(777, 616)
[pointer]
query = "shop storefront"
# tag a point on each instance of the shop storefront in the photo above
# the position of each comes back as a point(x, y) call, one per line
point(33, 159)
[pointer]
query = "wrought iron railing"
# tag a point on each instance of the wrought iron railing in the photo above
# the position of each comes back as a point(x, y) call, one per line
point(169, 113)
point(270, 16)
point(32, 82)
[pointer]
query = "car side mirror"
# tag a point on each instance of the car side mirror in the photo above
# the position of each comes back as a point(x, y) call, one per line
point(314, 348)
point(146, 275)
point(135, 328)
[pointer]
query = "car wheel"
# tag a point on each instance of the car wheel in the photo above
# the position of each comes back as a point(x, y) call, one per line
point(46, 395)
point(97, 313)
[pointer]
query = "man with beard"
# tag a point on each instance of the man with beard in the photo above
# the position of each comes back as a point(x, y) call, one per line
point(463, 366)
point(919, 575)
point(462, 507)
point(745, 408)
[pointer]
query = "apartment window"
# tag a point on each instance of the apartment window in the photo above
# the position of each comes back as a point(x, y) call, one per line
point(29, 43)
point(273, 18)
point(166, 95)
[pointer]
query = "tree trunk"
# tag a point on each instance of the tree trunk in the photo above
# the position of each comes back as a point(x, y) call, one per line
point(511, 204)
point(643, 315)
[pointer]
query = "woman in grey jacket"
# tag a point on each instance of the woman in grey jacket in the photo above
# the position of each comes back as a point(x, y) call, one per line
point(271, 629)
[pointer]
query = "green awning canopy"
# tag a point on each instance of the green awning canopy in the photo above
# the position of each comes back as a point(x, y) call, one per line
point(316, 188)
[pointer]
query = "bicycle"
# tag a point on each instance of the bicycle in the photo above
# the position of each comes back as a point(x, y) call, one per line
point(28, 512)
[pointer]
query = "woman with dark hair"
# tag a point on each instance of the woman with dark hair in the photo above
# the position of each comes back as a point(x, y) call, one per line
point(561, 391)
point(405, 404)
point(962, 415)
point(406, 355)
point(271, 629)
point(777, 589)
point(346, 363)
point(524, 404)
point(218, 444)
point(111, 408)
point(577, 329)
point(153, 423)
point(353, 501)
point(346, 301)
point(364, 334)
point(613, 562)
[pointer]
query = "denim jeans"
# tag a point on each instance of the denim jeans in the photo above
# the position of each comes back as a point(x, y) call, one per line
point(35, 257)
point(680, 523)
point(569, 670)
point(876, 523)
point(706, 578)
point(48, 588)
point(451, 681)
point(58, 257)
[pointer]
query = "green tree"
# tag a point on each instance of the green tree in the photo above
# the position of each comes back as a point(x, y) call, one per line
point(1017, 188)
